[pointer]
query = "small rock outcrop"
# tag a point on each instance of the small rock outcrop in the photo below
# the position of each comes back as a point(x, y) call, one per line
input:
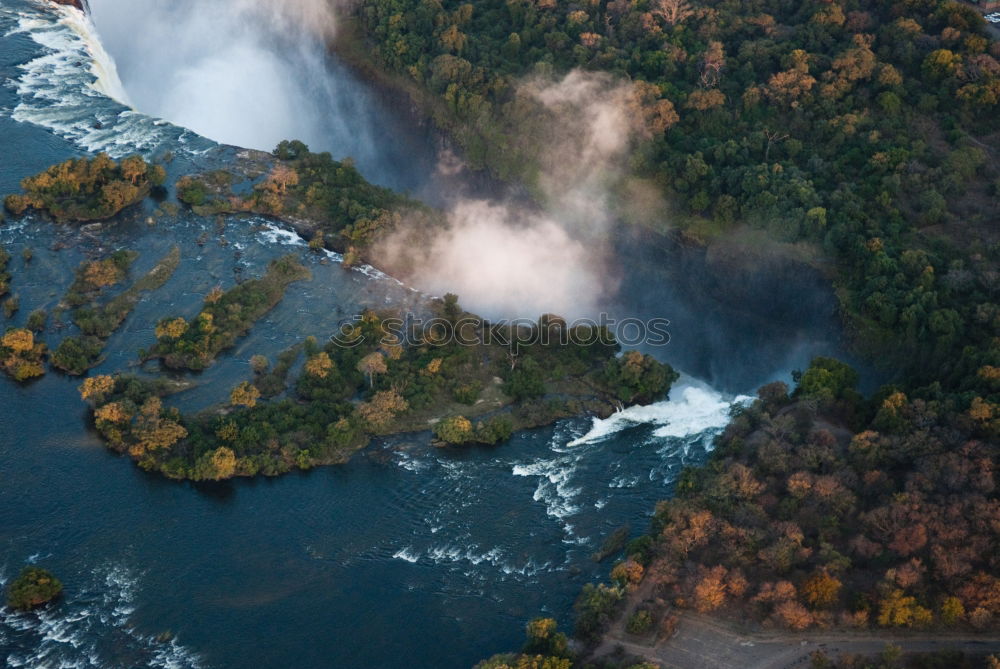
point(79, 4)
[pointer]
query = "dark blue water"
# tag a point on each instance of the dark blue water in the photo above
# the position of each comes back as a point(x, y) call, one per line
point(408, 555)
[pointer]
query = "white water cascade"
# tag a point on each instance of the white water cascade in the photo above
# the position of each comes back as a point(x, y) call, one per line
point(244, 72)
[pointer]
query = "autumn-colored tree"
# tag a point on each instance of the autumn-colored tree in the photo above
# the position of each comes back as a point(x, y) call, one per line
point(118, 194)
point(951, 610)
point(214, 295)
point(283, 177)
point(789, 87)
point(171, 329)
point(454, 430)
point(900, 610)
point(19, 340)
point(453, 39)
point(102, 273)
point(372, 364)
point(793, 615)
point(319, 365)
point(672, 11)
point(113, 412)
point(628, 573)
point(95, 387)
point(710, 591)
point(153, 431)
point(382, 407)
point(654, 114)
point(228, 431)
point(712, 63)
point(703, 100)
point(246, 394)
point(223, 461)
point(821, 589)
point(133, 168)
point(259, 364)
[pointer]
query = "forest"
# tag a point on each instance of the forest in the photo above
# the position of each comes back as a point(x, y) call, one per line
point(865, 131)
point(862, 128)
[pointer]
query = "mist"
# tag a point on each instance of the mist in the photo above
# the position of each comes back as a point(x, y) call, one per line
point(249, 73)
point(514, 260)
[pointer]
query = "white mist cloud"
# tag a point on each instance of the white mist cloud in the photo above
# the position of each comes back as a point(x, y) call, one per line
point(243, 72)
point(507, 260)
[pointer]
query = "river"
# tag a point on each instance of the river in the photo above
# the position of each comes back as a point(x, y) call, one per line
point(407, 555)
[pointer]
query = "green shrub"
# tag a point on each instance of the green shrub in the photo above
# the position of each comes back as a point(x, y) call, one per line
point(32, 588)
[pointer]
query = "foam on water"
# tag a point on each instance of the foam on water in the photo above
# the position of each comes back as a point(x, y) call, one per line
point(73, 88)
point(471, 556)
point(90, 628)
point(696, 409)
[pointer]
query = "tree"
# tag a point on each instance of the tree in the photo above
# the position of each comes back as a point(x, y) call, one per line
point(171, 329)
point(372, 364)
point(112, 412)
point(545, 639)
point(454, 430)
point(96, 387)
point(214, 295)
point(710, 592)
point(952, 610)
point(283, 176)
point(898, 610)
point(259, 364)
point(223, 463)
point(793, 615)
point(32, 588)
point(828, 379)
point(821, 590)
point(319, 365)
point(672, 11)
point(703, 100)
point(19, 341)
point(382, 407)
point(133, 168)
point(246, 394)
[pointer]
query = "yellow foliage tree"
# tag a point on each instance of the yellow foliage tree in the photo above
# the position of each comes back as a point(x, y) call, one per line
point(821, 590)
point(173, 329)
point(382, 407)
point(319, 365)
point(223, 463)
point(113, 412)
point(900, 610)
point(102, 273)
point(710, 592)
point(96, 386)
point(245, 394)
point(19, 340)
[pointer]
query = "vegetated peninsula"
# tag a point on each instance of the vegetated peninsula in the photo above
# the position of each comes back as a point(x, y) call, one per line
point(87, 189)
point(375, 379)
point(324, 200)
